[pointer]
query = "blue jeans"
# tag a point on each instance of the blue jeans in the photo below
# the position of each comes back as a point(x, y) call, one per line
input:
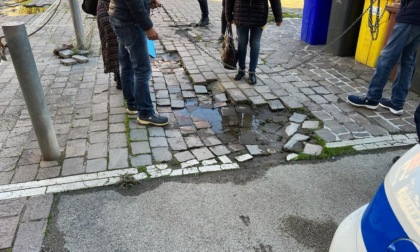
point(402, 46)
point(135, 69)
point(254, 36)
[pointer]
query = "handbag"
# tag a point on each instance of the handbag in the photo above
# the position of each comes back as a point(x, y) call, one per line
point(90, 6)
point(229, 53)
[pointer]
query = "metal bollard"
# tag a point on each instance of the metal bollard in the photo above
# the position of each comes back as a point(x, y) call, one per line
point(30, 84)
point(77, 23)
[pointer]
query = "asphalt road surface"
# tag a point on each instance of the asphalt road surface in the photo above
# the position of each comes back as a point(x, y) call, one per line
point(293, 207)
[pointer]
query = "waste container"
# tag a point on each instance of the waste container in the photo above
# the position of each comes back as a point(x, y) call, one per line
point(315, 19)
point(368, 50)
point(343, 14)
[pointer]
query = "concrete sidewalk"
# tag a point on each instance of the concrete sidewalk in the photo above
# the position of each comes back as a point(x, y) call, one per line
point(216, 123)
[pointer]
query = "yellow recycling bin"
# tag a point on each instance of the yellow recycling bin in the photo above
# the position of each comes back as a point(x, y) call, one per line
point(368, 50)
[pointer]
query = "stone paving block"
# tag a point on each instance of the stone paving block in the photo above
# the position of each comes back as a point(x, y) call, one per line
point(96, 165)
point(209, 168)
point(156, 132)
point(188, 94)
point(118, 158)
point(391, 128)
point(73, 166)
point(38, 207)
point(326, 135)
point(98, 126)
point(193, 141)
point(138, 135)
point(140, 147)
point(220, 97)
point(186, 130)
point(183, 156)
point(10, 152)
point(297, 118)
point(161, 154)
point(335, 127)
point(200, 89)
point(243, 158)
point(211, 140)
point(68, 62)
point(77, 133)
point(80, 59)
point(190, 170)
point(141, 160)
point(97, 150)
point(173, 133)
point(11, 207)
point(177, 104)
point(117, 140)
point(228, 111)
point(322, 115)
point(189, 163)
point(312, 149)
point(48, 172)
point(32, 156)
point(235, 147)
point(202, 153)
point(162, 94)
point(236, 96)
point(177, 144)
point(291, 128)
point(256, 150)
point(202, 124)
point(30, 236)
point(257, 100)
point(8, 228)
point(291, 156)
point(219, 150)
point(271, 127)
point(290, 102)
point(76, 148)
point(294, 140)
point(25, 173)
point(275, 105)
point(163, 102)
point(158, 142)
point(65, 53)
point(310, 125)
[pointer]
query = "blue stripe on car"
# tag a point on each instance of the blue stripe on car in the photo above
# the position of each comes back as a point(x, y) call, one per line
point(380, 226)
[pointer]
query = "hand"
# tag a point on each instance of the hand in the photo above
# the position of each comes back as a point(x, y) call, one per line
point(155, 4)
point(152, 34)
point(278, 23)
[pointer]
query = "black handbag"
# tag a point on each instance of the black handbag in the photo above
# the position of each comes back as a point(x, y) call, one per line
point(90, 6)
point(229, 53)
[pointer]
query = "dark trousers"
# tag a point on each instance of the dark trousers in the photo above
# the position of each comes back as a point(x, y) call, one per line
point(417, 120)
point(223, 18)
point(204, 8)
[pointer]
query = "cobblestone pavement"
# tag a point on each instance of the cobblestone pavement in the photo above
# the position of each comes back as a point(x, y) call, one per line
point(216, 123)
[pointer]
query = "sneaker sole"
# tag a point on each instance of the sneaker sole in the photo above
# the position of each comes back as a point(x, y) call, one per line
point(362, 105)
point(142, 122)
point(130, 112)
point(393, 111)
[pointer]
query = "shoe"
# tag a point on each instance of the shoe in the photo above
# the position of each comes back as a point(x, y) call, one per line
point(252, 79)
point(386, 103)
point(203, 21)
point(131, 111)
point(155, 120)
point(239, 75)
point(362, 101)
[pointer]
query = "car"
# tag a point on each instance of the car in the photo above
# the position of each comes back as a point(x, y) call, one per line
point(391, 221)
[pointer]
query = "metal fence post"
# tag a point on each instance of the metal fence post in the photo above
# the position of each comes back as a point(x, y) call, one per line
point(77, 23)
point(30, 84)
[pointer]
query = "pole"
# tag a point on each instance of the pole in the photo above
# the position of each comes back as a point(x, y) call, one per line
point(77, 23)
point(30, 84)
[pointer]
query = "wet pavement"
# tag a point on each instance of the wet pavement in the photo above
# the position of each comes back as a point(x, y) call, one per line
point(216, 123)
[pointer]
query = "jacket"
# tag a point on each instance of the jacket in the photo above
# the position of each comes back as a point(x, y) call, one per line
point(409, 12)
point(252, 12)
point(132, 11)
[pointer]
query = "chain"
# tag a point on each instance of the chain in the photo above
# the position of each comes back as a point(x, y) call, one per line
point(374, 28)
point(300, 63)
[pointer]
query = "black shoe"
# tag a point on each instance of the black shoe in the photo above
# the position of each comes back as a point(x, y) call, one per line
point(203, 21)
point(239, 75)
point(155, 120)
point(252, 79)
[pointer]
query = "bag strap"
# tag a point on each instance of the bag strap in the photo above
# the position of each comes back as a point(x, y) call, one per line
point(229, 31)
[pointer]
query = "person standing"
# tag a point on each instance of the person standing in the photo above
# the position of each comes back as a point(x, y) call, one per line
point(204, 13)
point(109, 42)
point(402, 46)
point(131, 22)
point(250, 17)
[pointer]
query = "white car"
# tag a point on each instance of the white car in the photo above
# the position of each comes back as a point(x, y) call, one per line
point(391, 221)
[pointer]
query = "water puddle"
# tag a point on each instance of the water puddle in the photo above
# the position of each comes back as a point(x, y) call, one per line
point(20, 8)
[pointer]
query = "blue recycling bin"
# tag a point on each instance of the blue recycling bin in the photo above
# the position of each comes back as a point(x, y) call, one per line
point(315, 20)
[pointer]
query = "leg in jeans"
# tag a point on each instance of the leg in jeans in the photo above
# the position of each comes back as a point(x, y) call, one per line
point(387, 60)
point(134, 54)
point(254, 43)
point(243, 34)
point(402, 82)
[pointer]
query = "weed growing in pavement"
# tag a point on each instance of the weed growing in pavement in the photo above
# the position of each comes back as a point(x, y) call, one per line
point(327, 153)
point(127, 181)
point(143, 169)
point(173, 163)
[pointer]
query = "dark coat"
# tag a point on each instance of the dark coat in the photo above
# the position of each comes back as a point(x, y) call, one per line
point(136, 11)
point(252, 12)
point(409, 12)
